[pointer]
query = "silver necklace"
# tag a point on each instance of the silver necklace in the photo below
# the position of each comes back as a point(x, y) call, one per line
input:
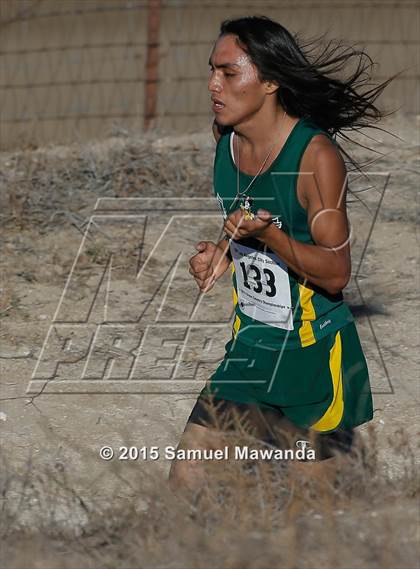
point(246, 206)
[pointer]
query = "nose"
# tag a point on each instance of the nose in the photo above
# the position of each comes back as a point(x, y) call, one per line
point(214, 83)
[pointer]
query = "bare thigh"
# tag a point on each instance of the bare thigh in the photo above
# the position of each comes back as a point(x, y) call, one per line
point(268, 426)
point(189, 473)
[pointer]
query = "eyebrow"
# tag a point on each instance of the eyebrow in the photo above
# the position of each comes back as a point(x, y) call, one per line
point(223, 64)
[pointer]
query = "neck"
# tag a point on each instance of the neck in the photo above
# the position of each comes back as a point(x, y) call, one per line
point(263, 128)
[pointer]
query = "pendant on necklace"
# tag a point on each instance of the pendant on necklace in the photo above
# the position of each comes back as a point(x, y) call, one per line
point(246, 208)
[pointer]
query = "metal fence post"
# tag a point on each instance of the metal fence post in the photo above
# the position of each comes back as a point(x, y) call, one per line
point(152, 63)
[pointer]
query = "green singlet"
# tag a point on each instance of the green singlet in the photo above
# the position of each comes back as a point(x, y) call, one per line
point(276, 308)
point(294, 347)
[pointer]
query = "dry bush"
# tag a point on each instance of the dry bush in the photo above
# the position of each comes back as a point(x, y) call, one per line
point(249, 514)
point(47, 187)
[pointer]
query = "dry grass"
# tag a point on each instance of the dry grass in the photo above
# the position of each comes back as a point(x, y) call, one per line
point(249, 515)
point(47, 187)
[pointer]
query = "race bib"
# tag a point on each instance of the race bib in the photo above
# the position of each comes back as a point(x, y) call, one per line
point(263, 286)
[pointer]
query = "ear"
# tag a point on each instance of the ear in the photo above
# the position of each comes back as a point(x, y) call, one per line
point(270, 87)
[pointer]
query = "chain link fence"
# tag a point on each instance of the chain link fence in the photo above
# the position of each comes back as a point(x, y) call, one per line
point(81, 69)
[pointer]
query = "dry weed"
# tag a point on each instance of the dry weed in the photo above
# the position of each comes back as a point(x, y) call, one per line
point(250, 514)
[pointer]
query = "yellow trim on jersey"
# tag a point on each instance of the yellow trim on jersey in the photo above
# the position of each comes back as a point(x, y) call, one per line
point(306, 332)
point(333, 415)
point(236, 325)
point(235, 296)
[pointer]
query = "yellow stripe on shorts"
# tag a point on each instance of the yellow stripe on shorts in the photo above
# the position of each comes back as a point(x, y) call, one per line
point(333, 415)
point(235, 296)
point(306, 332)
point(237, 321)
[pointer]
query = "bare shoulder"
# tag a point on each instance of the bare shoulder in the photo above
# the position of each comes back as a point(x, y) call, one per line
point(321, 153)
point(323, 159)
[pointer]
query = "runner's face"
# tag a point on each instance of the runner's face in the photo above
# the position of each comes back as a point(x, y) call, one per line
point(236, 84)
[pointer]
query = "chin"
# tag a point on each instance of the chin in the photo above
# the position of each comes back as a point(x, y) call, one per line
point(238, 121)
point(221, 121)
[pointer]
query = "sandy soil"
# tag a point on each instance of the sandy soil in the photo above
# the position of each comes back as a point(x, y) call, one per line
point(47, 195)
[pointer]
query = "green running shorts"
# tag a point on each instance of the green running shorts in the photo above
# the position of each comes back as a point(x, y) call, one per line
point(324, 386)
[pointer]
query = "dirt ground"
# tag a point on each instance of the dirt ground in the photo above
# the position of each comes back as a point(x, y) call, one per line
point(47, 197)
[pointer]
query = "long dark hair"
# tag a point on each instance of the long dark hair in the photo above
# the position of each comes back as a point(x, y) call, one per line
point(307, 87)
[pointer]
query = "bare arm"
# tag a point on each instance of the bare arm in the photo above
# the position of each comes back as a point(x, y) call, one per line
point(327, 263)
point(213, 259)
point(223, 244)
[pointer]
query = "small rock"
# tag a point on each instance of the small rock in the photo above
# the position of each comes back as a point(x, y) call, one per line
point(15, 355)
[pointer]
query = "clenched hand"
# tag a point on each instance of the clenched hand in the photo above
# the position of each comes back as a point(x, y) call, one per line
point(208, 264)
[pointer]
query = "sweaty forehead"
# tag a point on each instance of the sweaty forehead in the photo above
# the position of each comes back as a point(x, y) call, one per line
point(227, 52)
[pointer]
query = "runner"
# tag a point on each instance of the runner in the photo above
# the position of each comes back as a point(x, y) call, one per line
point(294, 363)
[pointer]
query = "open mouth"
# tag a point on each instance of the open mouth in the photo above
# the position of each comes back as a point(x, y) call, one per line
point(217, 105)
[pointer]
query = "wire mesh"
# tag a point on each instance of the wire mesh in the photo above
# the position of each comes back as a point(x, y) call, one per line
point(76, 69)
